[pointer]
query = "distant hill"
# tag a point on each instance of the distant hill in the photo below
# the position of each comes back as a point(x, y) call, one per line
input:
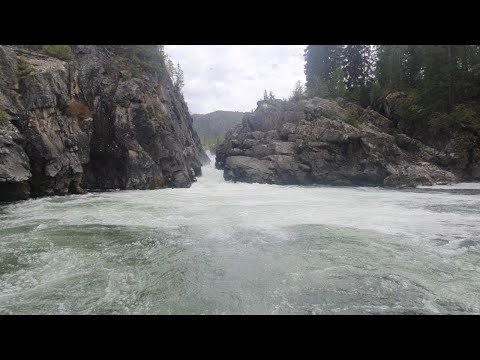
point(214, 125)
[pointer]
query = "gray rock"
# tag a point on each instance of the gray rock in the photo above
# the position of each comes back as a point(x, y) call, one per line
point(327, 142)
point(421, 173)
point(247, 169)
point(288, 170)
point(272, 135)
point(260, 151)
point(456, 150)
point(14, 165)
point(283, 147)
point(135, 131)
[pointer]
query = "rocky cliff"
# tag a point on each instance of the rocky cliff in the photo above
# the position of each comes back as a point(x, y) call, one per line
point(319, 141)
point(461, 140)
point(97, 121)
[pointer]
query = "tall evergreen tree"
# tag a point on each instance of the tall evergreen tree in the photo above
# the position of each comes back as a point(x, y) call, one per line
point(179, 78)
point(322, 62)
point(358, 65)
point(412, 65)
point(170, 68)
point(442, 82)
point(298, 92)
point(389, 71)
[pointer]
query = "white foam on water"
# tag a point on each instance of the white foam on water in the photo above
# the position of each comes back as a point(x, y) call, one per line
point(221, 233)
point(458, 186)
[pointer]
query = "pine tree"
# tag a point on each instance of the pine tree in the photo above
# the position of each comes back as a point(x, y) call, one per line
point(298, 92)
point(322, 62)
point(357, 63)
point(412, 65)
point(389, 71)
point(179, 78)
point(441, 82)
point(171, 68)
point(337, 87)
point(367, 75)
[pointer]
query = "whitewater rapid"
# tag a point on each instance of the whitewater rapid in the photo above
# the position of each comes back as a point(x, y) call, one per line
point(231, 248)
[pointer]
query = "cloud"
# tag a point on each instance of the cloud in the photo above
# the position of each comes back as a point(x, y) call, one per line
point(233, 77)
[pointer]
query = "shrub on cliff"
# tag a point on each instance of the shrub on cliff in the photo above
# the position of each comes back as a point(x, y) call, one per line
point(78, 110)
point(62, 52)
point(24, 68)
point(468, 116)
point(140, 58)
point(354, 117)
point(3, 117)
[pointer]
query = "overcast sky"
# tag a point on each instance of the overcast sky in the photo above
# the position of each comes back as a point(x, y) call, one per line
point(233, 77)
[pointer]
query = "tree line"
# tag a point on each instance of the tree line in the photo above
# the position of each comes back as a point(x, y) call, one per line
point(441, 83)
point(152, 57)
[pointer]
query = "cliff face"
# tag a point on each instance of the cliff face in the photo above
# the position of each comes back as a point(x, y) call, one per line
point(91, 123)
point(319, 141)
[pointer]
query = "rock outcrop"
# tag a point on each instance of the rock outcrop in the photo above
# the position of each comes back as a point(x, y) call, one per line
point(95, 122)
point(319, 141)
point(461, 142)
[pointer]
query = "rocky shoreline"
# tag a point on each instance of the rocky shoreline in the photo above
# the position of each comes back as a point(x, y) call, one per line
point(320, 141)
point(98, 121)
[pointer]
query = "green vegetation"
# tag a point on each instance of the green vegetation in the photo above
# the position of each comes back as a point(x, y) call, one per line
point(24, 68)
point(354, 117)
point(3, 117)
point(159, 114)
point(78, 110)
point(298, 92)
point(175, 73)
point(268, 95)
point(179, 80)
point(62, 52)
point(140, 58)
point(212, 144)
point(441, 83)
point(330, 114)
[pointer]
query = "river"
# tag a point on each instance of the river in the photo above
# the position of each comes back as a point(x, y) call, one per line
point(232, 248)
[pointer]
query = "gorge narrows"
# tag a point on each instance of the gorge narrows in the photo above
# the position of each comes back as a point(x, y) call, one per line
point(357, 194)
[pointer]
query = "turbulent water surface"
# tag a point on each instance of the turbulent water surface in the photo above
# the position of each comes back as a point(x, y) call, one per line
point(225, 248)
